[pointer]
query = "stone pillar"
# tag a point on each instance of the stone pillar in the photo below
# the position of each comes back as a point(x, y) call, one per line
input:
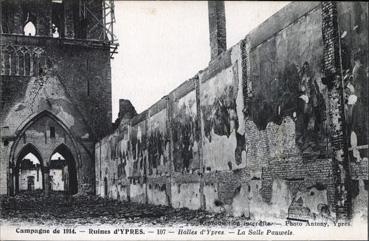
point(46, 180)
point(333, 80)
point(200, 143)
point(217, 28)
point(11, 181)
point(168, 188)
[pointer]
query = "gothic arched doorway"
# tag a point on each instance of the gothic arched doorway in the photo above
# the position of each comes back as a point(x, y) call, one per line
point(29, 169)
point(69, 169)
point(43, 135)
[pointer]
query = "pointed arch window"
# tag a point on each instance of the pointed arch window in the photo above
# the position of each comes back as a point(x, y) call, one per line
point(29, 28)
point(28, 169)
point(63, 155)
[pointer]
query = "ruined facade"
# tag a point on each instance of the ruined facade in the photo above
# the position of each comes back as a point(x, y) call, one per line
point(275, 126)
point(55, 88)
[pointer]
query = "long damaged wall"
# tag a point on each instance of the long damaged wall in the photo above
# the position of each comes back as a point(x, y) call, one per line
point(251, 135)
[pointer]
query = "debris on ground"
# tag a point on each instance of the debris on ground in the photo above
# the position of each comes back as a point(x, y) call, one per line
point(58, 208)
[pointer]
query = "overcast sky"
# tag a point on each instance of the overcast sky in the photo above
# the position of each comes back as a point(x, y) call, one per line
point(162, 44)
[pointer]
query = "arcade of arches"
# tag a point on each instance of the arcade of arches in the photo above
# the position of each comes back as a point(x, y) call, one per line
point(53, 148)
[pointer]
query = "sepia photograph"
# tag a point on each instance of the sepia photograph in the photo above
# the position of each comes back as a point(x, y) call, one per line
point(183, 120)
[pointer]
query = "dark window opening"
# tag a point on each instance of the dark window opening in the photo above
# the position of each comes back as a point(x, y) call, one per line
point(83, 28)
point(21, 67)
point(57, 19)
point(5, 18)
point(27, 63)
point(80, 24)
point(52, 132)
point(6, 65)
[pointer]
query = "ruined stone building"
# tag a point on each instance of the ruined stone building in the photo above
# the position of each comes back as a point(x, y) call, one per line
point(264, 130)
point(55, 88)
point(275, 126)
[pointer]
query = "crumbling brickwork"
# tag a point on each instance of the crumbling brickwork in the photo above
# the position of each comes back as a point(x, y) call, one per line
point(353, 50)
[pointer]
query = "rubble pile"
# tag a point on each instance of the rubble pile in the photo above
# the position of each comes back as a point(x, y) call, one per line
point(58, 208)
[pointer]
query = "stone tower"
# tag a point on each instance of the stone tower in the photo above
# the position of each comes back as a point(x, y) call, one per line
point(55, 88)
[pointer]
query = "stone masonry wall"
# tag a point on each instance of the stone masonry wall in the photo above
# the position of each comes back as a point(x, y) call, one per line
point(62, 79)
point(250, 135)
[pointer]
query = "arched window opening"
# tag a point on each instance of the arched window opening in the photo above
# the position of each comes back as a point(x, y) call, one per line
point(8, 60)
point(57, 166)
point(63, 171)
point(27, 64)
point(57, 19)
point(22, 60)
point(34, 64)
point(13, 63)
point(29, 28)
point(28, 171)
point(5, 16)
point(20, 63)
point(6, 63)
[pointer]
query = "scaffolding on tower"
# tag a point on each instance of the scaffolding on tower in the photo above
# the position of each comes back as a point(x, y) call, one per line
point(105, 22)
